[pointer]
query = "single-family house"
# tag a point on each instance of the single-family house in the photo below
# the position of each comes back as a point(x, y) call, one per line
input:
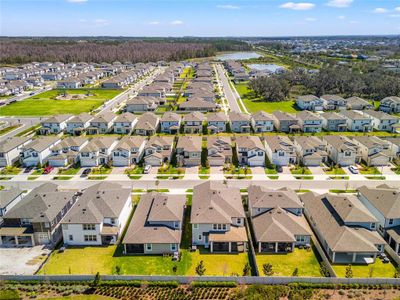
point(170, 123)
point(142, 104)
point(97, 152)
point(356, 121)
point(240, 122)
point(262, 122)
point(128, 151)
point(158, 150)
point(216, 122)
point(78, 124)
point(147, 124)
point(357, 103)
point(66, 152)
point(390, 105)
point(37, 151)
point(193, 122)
point(333, 102)
point(102, 123)
point(309, 121)
point(373, 151)
point(124, 123)
point(198, 104)
point(382, 121)
point(156, 226)
point(55, 124)
point(332, 121)
point(341, 150)
point(219, 150)
point(8, 198)
point(10, 149)
point(217, 218)
point(250, 151)
point(188, 150)
point(311, 150)
point(310, 102)
point(280, 150)
point(285, 122)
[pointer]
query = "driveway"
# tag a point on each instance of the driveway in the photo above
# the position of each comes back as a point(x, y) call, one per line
point(317, 170)
point(118, 170)
point(257, 170)
point(22, 261)
point(217, 170)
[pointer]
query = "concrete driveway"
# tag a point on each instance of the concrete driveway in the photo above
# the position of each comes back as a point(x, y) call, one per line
point(257, 170)
point(118, 170)
point(317, 170)
point(22, 261)
point(217, 170)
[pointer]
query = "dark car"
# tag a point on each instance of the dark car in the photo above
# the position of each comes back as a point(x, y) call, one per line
point(279, 169)
point(28, 169)
point(86, 172)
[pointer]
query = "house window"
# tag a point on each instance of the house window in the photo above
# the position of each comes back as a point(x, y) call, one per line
point(149, 247)
point(46, 225)
point(300, 238)
point(224, 226)
point(34, 154)
point(89, 226)
point(25, 221)
point(373, 225)
point(200, 237)
point(112, 221)
point(390, 221)
point(90, 238)
point(260, 153)
point(219, 226)
point(70, 237)
point(239, 221)
point(176, 224)
point(173, 247)
point(195, 226)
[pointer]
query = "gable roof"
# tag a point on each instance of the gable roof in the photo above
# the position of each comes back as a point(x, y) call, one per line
point(129, 142)
point(12, 142)
point(384, 198)
point(147, 121)
point(190, 143)
point(41, 143)
point(126, 117)
point(9, 195)
point(263, 197)
point(81, 118)
point(249, 142)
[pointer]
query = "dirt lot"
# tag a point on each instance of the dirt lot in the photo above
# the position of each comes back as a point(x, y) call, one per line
point(23, 261)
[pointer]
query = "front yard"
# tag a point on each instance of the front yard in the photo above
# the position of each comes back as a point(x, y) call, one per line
point(103, 170)
point(10, 171)
point(305, 261)
point(168, 171)
point(135, 172)
point(204, 173)
point(378, 269)
point(301, 172)
point(232, 172)
point(336, 173)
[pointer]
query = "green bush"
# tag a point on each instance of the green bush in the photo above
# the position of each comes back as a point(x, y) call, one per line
point(230, 284)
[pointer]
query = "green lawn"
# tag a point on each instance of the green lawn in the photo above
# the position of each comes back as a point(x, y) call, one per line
point(369, 170)
point(379, 269)
point(10, 171)
point(301, 172)
point(68, 171)
point(135, 172)
point(9, 128)
point(271, 173)
point(45, 103)
point(204, 173)
point(284, 264)
point(103, 170)
point(37, 172)
point(177, 173)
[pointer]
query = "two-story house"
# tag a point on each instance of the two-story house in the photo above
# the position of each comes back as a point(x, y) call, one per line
point(250, 151)
point(382, 121)
point(158, 150)
point(277, 219)
point(78, 124)
point(356, 121)
point(142, 104)
point(35, 219)
point(128, 151)
point(8, 198)
point(240, 122)
point(332, 121)
point(280, 150)
point(217, 218)
point(188, 150)
point(345, 228)
point(193, 122)
point(54, 125)
point(216, 122)
point(341, 150)
point(357, 103)
point(124, 123)
point(219, 150)
point(97, 152)
point(66, 152)
point(147, 124)
point(285, 122)
point(170, 123)
point(10, 149)
point(102, 123)
point(99, 216)
point(310, 102)
point(373, 151)
point(384, 203)
point(333, 102)
point(390, 105)
point(156, 226)
point(311, 150)
point(37, 151)
point(309, 121)
point(262, 122)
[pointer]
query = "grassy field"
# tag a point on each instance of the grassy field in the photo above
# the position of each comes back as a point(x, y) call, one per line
point(284, 264)
point(45, 104)
point(378, 269)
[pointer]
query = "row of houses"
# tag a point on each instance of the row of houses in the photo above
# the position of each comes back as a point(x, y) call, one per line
point(335, 102)
point(352, 228)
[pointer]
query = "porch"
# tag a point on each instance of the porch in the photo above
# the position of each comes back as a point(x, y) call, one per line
point(275, 247)
point(353, 258)
point(16, 237)
point(234, 240)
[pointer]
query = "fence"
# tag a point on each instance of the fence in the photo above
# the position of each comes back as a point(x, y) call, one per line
point(189, 279)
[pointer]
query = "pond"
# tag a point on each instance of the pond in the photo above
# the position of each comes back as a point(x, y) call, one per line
point(237, 56)
point(269, 67)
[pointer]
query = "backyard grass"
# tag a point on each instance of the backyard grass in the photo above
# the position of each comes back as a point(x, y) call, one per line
point(10, 171)
point(33, 177)
point(284, 264)
point(378, 269)
point(45, 104)
point(9, 128)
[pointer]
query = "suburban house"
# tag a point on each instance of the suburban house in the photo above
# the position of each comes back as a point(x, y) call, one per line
point(384, 203)
point(333, 102)
point(382, 121)
point(197, 104)
point(193, 122)
point(332, 121)
point(188, 150)
point(158, 150)
point(277, 220)
point(219, 150)
point(147, 124)
point(356, 121)
point(250, 151)
point(280, 150)
point(309, 121)
point(390, 105)
point(8, 198)
point(344, 227)
point(10, 149)
point(156, 226)
point(240, 122)
point(142, 104)
point(35, 219)
point(373, 151)
point(124, 123)
point(78, 124)
point(394, 145)
point(170, 123)
point(66, 152)
point(285, 122)
point(99, 216)
point(218, 218)
point(128, 151)
point(262, 122)
point(37, 151)
point(341, 150)
point(55, 124)
point(356, 103)
point(97, 152)
point(216, 122)
point(311, 150)
point(102, 123)
point(310, 102)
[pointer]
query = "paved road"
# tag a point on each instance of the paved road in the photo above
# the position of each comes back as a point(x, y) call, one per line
point(227, 89)
point(27, 94)
point(26, 123)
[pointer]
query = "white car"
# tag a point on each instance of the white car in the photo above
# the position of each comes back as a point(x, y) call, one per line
point(147, 169)
point(353, 169)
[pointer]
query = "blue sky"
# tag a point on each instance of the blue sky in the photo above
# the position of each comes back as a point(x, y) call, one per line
point(198, 17)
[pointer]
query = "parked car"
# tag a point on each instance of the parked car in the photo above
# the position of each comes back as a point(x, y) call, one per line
point(28, 169)
point(147, 169)
point(86, 172)
point(48, 170)
point(353, 169)
point(31, 94)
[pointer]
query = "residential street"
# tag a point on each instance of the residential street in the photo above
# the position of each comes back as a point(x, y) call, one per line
point(26, 123)
point(229, 93)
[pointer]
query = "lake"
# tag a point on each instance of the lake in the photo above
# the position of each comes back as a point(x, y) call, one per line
point(237, 56)
point(269, 67)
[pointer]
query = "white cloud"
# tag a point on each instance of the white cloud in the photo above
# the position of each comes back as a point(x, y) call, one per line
point(397, 8)
point(339, 3)
point(176, 22)
point(228, 6)
point(311, 19)
point(101, 22)
point(341, 17)
point(354, 22)
point(154, 23)
point(77, 1)
point(395, 16)
point(380, 10)
point(298, 6)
